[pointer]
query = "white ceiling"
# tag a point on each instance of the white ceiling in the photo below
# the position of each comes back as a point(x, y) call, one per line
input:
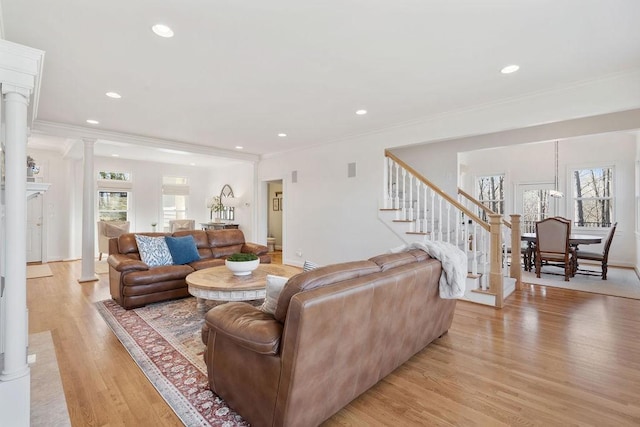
point(239, 73)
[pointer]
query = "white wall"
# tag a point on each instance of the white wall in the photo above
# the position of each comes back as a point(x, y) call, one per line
point(241, 177)
point(530, 163)
point(62, 205)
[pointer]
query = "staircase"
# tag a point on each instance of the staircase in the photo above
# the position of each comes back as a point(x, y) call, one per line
point(415, 209)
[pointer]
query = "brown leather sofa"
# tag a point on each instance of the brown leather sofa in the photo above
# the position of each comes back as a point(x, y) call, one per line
point(133, 284)
point(336, 332)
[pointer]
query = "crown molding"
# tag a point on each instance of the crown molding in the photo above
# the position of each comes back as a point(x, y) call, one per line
point(79, 132)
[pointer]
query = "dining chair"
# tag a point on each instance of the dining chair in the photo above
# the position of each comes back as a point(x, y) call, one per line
point(602, 257)
point(552, 245)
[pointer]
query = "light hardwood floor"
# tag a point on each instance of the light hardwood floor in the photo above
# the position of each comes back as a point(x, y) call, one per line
point(551, 357)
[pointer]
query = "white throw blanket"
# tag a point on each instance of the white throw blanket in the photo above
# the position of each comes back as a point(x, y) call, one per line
point(454, 265)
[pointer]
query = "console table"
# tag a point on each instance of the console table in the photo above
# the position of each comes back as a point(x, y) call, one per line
point(218, 226)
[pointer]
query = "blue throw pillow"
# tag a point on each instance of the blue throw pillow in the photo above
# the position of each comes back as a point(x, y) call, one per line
point(183, 249)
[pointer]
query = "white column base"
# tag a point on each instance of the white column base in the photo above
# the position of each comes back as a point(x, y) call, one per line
point(15, 396)
point(93, 278)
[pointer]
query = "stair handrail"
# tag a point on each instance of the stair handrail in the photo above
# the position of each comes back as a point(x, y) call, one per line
point(438, 190)
point(481, 206)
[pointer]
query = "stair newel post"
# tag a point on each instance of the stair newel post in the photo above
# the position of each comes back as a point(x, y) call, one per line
point(516, 271)
point(495, 275)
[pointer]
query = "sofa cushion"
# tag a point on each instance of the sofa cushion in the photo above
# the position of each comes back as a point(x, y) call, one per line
point(183, 249)
point(275, 284)
point(387, 261)
point(321, 276)
point(153, 250)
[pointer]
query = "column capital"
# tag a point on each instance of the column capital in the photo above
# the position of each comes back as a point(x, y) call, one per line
point(89, 141)
point(8, 88)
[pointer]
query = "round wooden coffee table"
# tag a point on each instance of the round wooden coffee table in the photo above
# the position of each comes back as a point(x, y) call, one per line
point(219, 283)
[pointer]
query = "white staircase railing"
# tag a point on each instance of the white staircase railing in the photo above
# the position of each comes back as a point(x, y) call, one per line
point(431, 212)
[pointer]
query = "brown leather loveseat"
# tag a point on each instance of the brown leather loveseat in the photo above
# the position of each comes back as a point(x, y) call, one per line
point(133, 284)
point(336, 332)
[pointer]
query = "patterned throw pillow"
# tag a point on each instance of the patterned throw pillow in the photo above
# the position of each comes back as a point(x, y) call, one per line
point(309, 265)
point(275, 284)
point(153, 250)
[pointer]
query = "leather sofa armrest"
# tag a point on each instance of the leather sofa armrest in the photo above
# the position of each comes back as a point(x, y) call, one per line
point(245, 325)
point(254, 248)
point(123, 263)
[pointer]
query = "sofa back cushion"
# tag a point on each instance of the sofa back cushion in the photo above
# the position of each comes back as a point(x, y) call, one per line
point(202, 241)
point(225, 242)
point(320, 277)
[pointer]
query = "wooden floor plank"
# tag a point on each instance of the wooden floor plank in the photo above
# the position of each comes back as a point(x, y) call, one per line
point(550, 357)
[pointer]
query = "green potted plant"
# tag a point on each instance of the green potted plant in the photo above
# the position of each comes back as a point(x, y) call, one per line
point(242, 264)
point(215, 205)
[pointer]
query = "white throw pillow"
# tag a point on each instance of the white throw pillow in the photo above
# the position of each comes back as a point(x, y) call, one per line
point(275, 284)
point(153, 250)
point(309, 265)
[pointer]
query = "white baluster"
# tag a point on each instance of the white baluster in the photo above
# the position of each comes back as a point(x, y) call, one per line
point(439, 218)
point(410, 213)
point(457, 214)
point(418, 226)
point(386, 185)
point(425, 225)
point(404, 194)
point(474, 248)
point(448, 222)
point(396, 202)
point(433, 215)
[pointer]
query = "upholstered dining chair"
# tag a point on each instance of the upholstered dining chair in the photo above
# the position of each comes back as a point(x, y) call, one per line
point(552, 245)
point(181, 224)
point(108, 230)
point(603, 257)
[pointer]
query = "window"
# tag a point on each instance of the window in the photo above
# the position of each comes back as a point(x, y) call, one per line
point(114, 196)
point(593, 197)
point(175, 195)
point(491, 194)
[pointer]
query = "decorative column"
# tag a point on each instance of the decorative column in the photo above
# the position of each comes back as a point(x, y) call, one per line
point(15, 357)
point(88, 223)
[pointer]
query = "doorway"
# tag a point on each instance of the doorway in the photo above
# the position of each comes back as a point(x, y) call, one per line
point(34, 228)
point(275, 210)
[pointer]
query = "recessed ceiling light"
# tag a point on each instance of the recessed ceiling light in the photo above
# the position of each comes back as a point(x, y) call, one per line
point(114, 95)
point(162, 30)
point(192, 164)
point(282, 135)
point(239, 147)
point(510, 69)
point(115, 155)
point(361, 112)
point(92, 122)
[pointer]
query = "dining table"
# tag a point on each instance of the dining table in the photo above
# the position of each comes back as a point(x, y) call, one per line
point(575, 239)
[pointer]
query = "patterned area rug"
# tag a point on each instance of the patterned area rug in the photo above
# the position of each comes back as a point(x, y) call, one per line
point(164, 340)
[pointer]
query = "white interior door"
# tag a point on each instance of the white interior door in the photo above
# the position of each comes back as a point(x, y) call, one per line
point(34, 229)
point(533, 203)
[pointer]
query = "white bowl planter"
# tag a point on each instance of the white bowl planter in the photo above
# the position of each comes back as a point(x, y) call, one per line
point(242, 268)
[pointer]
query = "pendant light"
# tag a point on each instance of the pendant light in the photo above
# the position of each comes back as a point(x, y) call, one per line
point(555, 192)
